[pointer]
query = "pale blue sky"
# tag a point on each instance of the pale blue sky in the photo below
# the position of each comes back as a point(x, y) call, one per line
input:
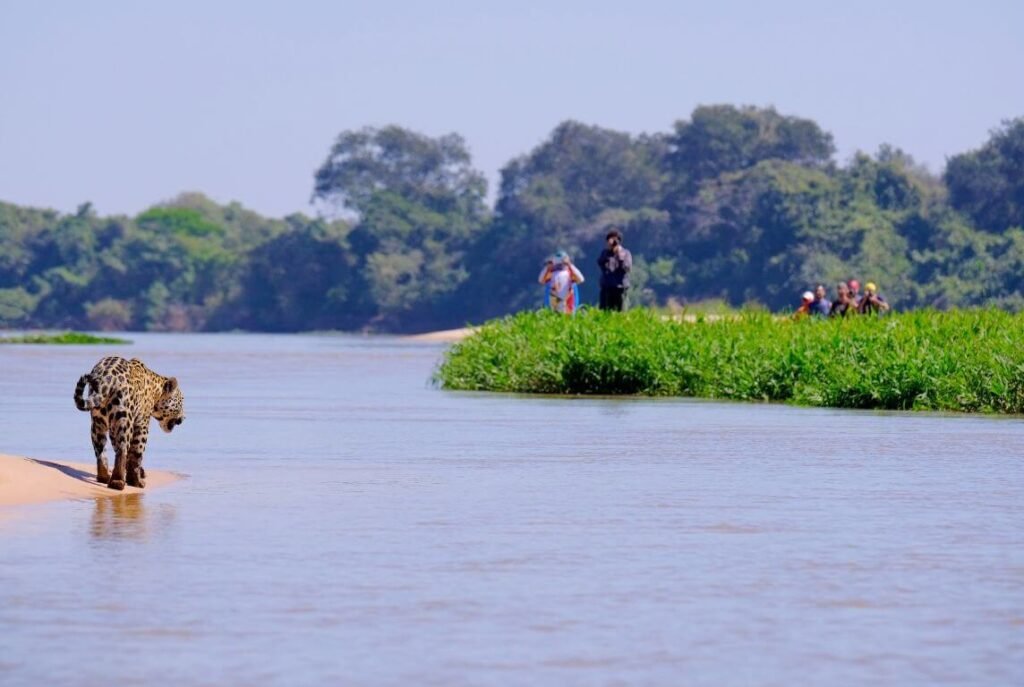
point(129, 103)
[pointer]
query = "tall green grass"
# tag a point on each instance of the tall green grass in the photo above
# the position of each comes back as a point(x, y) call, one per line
point(971, 361)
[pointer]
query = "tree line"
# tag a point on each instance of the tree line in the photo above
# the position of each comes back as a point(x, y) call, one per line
point(742, 204)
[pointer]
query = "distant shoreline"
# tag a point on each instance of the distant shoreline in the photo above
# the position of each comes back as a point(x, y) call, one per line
point(26, 481)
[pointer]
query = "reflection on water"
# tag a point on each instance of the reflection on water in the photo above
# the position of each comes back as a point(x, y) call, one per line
point(346, 524)
point(119, 517)
point(125, 517)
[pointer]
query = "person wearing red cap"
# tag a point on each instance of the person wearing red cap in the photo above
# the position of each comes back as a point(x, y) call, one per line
point(854, 293)
point(844, 304)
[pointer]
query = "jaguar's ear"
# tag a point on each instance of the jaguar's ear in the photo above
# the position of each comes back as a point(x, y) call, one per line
point(170, 385)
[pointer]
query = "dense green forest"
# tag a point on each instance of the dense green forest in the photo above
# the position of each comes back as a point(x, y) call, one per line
point(738, 203)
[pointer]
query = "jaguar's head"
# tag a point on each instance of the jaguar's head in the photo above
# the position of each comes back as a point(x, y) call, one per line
point(170, 409)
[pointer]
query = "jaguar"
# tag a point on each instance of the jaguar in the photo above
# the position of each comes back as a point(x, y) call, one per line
point(123, 396)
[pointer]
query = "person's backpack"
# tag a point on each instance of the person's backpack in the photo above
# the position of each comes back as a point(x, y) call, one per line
point(572, 303)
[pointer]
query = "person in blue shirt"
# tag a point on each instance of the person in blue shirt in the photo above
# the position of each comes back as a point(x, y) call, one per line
point(820, 306)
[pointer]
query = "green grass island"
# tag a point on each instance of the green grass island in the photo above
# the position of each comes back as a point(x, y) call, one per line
point(63, 338)
point(962, 360)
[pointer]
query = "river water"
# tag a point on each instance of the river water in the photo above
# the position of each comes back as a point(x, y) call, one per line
point(344, 522)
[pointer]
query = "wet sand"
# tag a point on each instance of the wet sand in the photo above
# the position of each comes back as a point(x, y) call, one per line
point(29, 480)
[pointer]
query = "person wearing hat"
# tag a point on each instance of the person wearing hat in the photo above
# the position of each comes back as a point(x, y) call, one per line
point(805, 306)
point(616, 263)
point(872, 303)
point(559, 278)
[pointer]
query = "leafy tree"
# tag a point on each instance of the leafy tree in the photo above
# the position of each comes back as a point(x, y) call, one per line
point(179, 221)
point(723, 138)
point(752, 231)
point(418, 206)
point(109, 314)
point(16, 307)
point(300, 280)
point(988, 184)
point(436, 172)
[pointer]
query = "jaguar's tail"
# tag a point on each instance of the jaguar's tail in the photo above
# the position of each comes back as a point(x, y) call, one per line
point(80, 401)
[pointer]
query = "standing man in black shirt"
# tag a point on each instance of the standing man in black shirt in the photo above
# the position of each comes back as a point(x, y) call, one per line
point(615, 263)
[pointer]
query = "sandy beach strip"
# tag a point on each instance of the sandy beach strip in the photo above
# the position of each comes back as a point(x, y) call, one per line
point(31, 480)
point(444, 336)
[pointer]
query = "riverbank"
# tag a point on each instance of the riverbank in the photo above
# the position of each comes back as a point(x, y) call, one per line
point(968, 361)
point(29, 480)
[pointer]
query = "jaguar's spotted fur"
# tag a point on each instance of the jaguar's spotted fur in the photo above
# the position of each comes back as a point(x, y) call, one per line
point(123, 395)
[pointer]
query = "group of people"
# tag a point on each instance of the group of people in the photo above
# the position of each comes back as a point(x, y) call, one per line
point(560, 277)
point(848, 301)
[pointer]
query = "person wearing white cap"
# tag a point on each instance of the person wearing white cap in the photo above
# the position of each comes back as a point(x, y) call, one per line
point(559, 278)
point(805, 306)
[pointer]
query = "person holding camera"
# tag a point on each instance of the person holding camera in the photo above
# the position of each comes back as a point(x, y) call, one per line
point(615, 263)
point(873, 303)
point(559, 278)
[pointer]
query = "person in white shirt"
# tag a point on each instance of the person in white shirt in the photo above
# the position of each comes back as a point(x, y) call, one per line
point(558, 277)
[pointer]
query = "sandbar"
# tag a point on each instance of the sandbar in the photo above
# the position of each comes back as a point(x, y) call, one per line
point(32, 480)
point(444, 336)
